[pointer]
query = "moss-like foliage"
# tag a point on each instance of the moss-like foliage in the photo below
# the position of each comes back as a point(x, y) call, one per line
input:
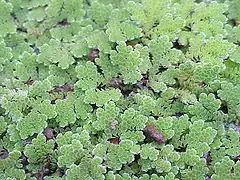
point(119, 90)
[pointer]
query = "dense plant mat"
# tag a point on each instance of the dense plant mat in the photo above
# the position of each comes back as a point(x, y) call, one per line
point(119, 90)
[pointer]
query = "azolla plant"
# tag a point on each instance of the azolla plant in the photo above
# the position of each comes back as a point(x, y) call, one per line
point(119, 90)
